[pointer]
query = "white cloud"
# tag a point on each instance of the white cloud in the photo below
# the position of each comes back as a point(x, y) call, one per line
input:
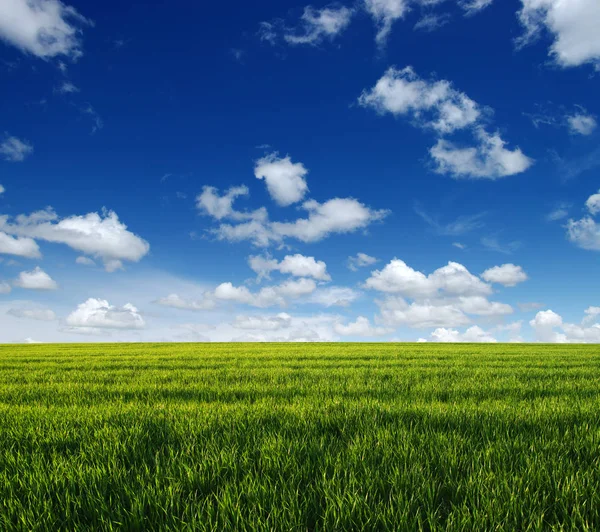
point(361, 260)
point(296, 265)
point(263, 323)
point(2, 190)
point(453, 279)
point(395, 311)
point(175, 301)
point(334, 296)
point(384, 14)
point(209, 202)
point(430, 104)
point(459, 245)
point(14, 149)
point(285, 180)
point(488, 160)
point(481, 306)
point(85, 261)
point(560, 212)
point(472, 334)
point(36, 279)
point(573, 25)
point(66, 87)
point(492, 243)
point(4, 287)
point(338, 215)
point(507, 275)
point(267, 296)
point(39, 314)
point(544, 323)
point(319, 24)
point(99, 314)
point(102, 236)
point(591, 314)
point(582, 124)
point(361, 327)
point(259, 233)
point(584, 233)
point(21, 247)
point(30, 340)
point(593, 204)
point(44, 28)
point(474, 6)
point(436, 105)
point(432, 21)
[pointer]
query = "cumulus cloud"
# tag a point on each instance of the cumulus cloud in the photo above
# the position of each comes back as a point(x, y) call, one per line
point(573, 26)
point(489, 159)
point(338, 215)
point(21, 247)
point(581, 123)
point(443, 298)
point(399, 278)
point(176, 301)
point(267, 296)
point(14, 149)
point(84, 261)
point(318, 25)
point(99, 314)
point(593, 204)
point(384, 14)
point(360, 260)
point(210, 203)
point(430, 104)
point(396, 311)
point(438, 106)
point(544, 324)
point(361, 327)
point(36, 279)
point(473, 334)
point(263, 323)
point(284, 179)
point(584, 233)
point(334, 296)
point(39, 314)
point(507, 275)
point(297, 265)
point(44, 28)
point(102, 236)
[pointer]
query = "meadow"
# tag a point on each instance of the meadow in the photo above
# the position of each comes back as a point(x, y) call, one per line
point(299, 437)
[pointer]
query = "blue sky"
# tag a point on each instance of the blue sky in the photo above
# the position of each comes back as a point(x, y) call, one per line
point(378, 170)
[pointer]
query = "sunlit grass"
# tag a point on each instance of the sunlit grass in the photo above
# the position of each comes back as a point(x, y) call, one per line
point(299, 437)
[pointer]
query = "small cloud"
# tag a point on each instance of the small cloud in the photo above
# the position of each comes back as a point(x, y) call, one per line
point(561, 211)
point(85, 261)
point(432, 22)
point(66, 87)
point(360, 260)
point(238, 54)
point(14, 149)
point(459, 245)
point(493, 244)
point(36, 279)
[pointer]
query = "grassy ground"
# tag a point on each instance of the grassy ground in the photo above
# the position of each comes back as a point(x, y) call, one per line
point(300, 437)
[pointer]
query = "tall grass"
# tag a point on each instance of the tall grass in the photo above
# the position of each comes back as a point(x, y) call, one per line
point(299, 437)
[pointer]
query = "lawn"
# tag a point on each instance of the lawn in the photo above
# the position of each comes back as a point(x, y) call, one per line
point(299, 437)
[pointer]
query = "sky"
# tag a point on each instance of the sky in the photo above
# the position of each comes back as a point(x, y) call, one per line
point(377, 170)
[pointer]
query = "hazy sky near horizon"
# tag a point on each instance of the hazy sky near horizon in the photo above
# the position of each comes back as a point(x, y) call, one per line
point(386, 170)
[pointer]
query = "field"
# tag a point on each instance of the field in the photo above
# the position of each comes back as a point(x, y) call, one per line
point(299, 437)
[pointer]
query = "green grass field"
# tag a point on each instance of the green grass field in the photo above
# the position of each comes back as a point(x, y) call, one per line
point(299, 437)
